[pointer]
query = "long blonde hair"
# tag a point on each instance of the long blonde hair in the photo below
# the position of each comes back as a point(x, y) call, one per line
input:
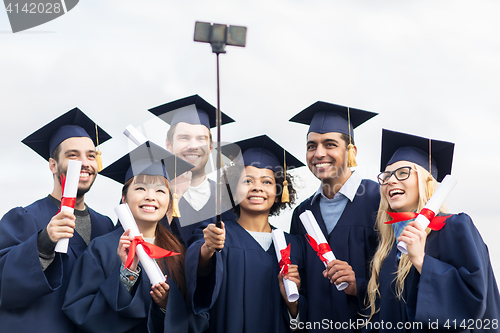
point(386, 238)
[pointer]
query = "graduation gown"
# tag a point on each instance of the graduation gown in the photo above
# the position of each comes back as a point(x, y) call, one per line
point(242, 289)
point(353, 240)
point(97, 301)
point(30, 298)
point(191, 219)
point(456, 289)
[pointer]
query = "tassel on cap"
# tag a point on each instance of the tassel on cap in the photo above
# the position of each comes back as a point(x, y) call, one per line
point(429, 180)
point(351, 157)
point(175, 205)
point(285, 196)
point(98, 157)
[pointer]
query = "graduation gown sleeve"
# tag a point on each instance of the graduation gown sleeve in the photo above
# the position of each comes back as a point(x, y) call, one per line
point(457, 281)
point(22, 278)
point(96, 300)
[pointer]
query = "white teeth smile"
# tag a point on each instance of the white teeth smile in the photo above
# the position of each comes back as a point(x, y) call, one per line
point(395, 192)
point(149, 208)
point(84, 174)
point(322, 165)
point(256, 199)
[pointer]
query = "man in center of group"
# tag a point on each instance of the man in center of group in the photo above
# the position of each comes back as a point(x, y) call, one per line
point(189, 138)
point(345, 207)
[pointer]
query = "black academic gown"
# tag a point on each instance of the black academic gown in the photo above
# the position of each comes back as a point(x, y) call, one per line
point(30, 298)
point(191, 219)
point(242, 290)
point(97, 301)
point(353, 240)
point(456, 289)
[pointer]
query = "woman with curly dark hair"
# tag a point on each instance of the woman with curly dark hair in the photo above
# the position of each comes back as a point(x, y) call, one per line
point(233, 271)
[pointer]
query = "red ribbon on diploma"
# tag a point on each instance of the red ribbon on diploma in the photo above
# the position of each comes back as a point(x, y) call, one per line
point(151, 250)
point(285, 260)
point(435, 222)
point(320, 249)
point(68, 202)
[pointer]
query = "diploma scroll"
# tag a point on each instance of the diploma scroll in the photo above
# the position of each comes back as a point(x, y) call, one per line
point(279, 241)
point(134, 135)
point(313, 229)
point(434, 203)
point(150, 266)
point(69, 197)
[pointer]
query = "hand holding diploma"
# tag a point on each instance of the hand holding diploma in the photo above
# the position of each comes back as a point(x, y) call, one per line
point(69, 186)
point(318, 242)
point(145, 251)
point(427, 214)
point(281, 248)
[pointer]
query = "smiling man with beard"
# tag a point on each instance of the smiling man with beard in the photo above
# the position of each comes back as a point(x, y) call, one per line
point(33, 277)
point(345, 207)
point(189, 138)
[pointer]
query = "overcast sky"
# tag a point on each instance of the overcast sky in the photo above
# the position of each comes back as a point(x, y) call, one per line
point(430, 68)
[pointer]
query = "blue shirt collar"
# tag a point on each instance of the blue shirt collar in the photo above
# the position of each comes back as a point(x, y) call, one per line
point(348, 190)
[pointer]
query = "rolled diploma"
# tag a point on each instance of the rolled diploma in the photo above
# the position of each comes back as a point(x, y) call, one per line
point(70, 190)
point(434, 203)
point(133, 134)
point(280, 244)
point(313, 229)
point(152, 269)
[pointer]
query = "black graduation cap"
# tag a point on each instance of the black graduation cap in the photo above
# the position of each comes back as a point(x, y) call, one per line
point(192, 110)
point(323, 117)
point(398, 146)
point(147, 159)
point(73, 123)
point(261, 152)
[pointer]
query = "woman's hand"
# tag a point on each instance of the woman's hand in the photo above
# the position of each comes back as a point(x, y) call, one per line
point(159, 293)
point(292, 275)
point(338, 271)
point(414, 236)
point(214, 239)
point(123, 249)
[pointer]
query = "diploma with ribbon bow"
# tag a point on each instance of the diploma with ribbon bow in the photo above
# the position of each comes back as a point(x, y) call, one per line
point(283, 255)
point(318, 241)
point(144, 250)
point(427, 216)
point(69, 188)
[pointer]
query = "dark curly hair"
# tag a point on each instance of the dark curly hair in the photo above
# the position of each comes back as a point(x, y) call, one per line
point(232, 175)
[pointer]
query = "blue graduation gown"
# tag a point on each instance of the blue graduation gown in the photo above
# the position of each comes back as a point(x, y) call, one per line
point(97, 301)
point(456, 290)
point(31, 298)
point(353, 240)
point(191, 219)
point(242, 289)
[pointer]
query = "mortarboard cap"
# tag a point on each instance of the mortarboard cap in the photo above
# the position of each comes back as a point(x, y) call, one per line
point(398, 146)
point(192, 110)
point(323, 117)
point(73, 123)
point(147, 159)
point(261, 152)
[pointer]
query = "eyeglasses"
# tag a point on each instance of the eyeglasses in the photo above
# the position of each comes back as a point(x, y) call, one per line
point(400, 174)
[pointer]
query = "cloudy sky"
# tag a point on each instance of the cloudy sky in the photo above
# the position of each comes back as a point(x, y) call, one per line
point(428, 67)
